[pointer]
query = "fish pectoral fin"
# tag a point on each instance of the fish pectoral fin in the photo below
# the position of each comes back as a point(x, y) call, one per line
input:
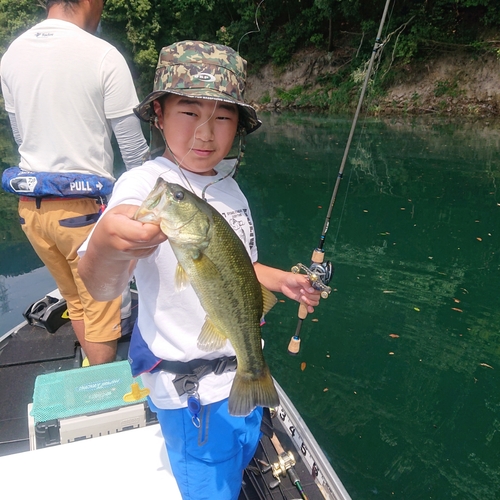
point(268, 300)
point(205, 266)
point(181, 280)
point(210, 339)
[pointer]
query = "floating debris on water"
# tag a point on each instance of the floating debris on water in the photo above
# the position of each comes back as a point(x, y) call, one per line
point(486, 365)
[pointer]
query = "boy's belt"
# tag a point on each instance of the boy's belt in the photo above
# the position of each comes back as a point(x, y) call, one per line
point(189, 373)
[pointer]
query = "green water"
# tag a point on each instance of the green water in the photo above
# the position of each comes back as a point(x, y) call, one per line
point(400, 385)
point(414, 240)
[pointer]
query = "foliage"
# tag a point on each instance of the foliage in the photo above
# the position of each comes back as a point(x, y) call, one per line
point(15, 17)
point(446, 88)
point(273, 30)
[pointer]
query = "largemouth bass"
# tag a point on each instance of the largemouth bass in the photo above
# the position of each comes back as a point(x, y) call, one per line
point(215, 262)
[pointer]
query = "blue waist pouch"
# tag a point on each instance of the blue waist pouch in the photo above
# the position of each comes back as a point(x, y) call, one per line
point(39, 184)
point(141, 359)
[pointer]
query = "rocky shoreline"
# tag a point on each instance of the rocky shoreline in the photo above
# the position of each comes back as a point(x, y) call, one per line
point(449, 85)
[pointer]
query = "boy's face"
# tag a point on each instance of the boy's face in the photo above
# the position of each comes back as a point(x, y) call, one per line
point(199, 132)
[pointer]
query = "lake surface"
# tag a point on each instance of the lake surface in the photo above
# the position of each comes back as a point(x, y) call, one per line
point(398, 372)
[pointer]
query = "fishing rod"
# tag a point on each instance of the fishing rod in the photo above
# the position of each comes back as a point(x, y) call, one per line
point(320, 272)
point(285, 464)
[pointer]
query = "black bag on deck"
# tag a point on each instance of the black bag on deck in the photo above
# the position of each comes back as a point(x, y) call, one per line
point(49, 313)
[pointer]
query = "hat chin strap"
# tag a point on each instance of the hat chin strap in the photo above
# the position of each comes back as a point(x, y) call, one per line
point(234, 170)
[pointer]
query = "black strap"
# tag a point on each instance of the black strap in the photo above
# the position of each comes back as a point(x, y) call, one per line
point(100, 200)
point(266, 426)
point(190, 372)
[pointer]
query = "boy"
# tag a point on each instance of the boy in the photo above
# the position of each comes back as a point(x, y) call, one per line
point(197, 106)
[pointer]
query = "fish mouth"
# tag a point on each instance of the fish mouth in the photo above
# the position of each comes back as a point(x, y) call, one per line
point(154, 212)
point(150, 214)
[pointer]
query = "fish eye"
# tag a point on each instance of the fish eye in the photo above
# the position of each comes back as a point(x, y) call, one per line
point(179, 195)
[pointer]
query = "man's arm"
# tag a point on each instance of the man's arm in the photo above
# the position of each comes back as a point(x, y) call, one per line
point(113, 249)
point(133, 146)
point(15, 128)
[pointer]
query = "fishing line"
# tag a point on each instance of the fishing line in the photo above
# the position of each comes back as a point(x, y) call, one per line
point(256, 24)
point(179, 163)
point(320, 272)
point(362, 134)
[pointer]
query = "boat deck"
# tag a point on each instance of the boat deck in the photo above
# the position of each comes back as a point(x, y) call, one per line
point(24, 355)
point(31, 351)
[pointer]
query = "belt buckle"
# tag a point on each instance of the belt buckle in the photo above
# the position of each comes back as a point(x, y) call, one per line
point(225, 365)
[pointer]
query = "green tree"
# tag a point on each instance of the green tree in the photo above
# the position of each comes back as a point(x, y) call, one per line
point(16, 17)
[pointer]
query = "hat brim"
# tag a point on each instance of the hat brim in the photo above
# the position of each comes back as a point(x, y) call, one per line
point(248, 115)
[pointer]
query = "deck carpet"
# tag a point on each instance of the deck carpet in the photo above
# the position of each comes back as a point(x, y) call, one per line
point(16, 391)
point(34, 344)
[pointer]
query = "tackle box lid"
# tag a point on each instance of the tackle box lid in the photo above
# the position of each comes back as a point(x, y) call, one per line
point(83, 391)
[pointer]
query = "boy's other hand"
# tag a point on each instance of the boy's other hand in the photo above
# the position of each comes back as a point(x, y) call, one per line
point(298, 287)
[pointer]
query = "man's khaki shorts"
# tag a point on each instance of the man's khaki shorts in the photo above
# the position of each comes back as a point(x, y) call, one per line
point(56, 231)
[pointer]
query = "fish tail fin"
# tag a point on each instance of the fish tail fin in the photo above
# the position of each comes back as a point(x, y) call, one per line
point(249, 391)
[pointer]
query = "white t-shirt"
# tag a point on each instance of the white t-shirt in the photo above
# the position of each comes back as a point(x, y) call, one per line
point(64, 85)
point(170, 321)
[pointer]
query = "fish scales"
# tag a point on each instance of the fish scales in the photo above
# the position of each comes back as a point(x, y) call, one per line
point(215, 262)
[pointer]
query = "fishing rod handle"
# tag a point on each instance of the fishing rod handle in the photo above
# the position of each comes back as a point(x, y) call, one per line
point(294, 344)
point(277, 445)
point(318, 256)
point(319, 274)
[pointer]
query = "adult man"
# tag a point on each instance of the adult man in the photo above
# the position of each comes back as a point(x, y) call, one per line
point(66, 91)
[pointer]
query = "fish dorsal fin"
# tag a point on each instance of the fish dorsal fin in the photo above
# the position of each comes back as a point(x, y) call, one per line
point(268, 300)
point(210, 339)
point(181, 280)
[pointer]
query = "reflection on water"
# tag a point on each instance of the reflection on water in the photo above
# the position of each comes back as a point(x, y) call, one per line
point(400, 385)
point(18, 292)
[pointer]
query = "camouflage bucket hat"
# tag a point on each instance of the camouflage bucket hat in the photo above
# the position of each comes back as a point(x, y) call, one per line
point(203, 71)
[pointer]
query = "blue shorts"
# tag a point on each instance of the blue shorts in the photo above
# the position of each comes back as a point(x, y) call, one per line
point(208, 461)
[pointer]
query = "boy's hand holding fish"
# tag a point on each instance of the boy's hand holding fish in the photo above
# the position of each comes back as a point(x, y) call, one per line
point(117, 242)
